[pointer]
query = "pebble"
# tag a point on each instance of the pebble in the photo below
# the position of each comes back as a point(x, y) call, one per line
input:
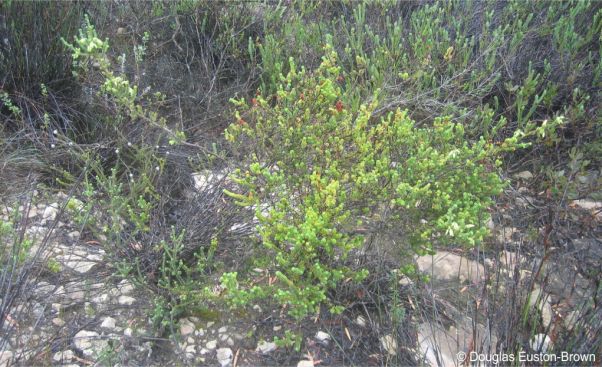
point(186, 327)
point(224, 356)
point(64, 356)
point(322, 337)
point(361, 321)
point(264, 347)
point(305, 363)
point(126, 300)
point(108, 323)
point(211, 344)
point(58, 322)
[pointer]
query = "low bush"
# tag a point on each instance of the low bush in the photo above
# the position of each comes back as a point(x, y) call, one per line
point(319, 172)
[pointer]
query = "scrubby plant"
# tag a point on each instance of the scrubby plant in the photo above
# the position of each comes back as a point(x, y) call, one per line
point(318, 172)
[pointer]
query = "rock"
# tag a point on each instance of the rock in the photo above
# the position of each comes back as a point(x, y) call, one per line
point(211, 345)
point(510, 259)
point(88, 343)
point(126, 300)
point(101, 299)
point(322, 337)
point(541, 343)
point(222, 330)
point(505, 235)
point(204, 351)
point(361, 321)
point(64, 356)
point(541, 301)
point(524, 175)
point(128, 332)
point(204, 178)
point(186, 327)
point(264, 347)
point(108, 323)
point(305, 363)
point(448, 266)
point(6, 358)
point(210, 324)
point(79, 265)
point(58, 322)
point(389, 344)
point(190, 351)
point(74, 235)
point(440, 346)
point(587, 204)
point(405, 281)
point(125, 287)
point(257, 308)
point(200, 332)
point(224, 356)
point(277, 328)
point(50, 213)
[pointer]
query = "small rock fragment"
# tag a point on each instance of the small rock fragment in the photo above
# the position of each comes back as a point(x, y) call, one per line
point(211, 345)
point(305, 363)
point(322, 337)
point(64, 356)
point(186, 327)
point(126, 300)
point(264, 347)
point(108, 323)
point(361, 321)
point(224, 356)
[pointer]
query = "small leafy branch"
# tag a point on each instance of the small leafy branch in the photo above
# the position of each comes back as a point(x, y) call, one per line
point(89, 52)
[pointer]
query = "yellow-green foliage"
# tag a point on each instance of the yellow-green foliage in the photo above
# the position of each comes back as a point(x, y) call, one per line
point(318, 169)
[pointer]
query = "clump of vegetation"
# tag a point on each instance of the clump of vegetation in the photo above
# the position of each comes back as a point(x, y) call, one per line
point(319, 171)
point(352, 121)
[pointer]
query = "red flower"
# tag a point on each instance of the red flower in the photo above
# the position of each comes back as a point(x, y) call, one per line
point(339, 106)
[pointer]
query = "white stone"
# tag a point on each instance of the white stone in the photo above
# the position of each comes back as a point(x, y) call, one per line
point(6, 358)
point(305, 363)
point(277, 328)
point(125, 287)
point(389, 344)
point(64, 356)
point(541, 343)
point(322, 337)
point(448, 266)
point(222, 330)
point(257, 308)
point(108, 323)
point(361, 321)
point(264, 347)
point(126, 300)
point(205, 177)
point(74, 235)
point(211, 345)
point(79, 265)
point(224, 356)
point(199, 332)
point(58, 322)
point(88, 343)
point(204, 351)
point(50, 213)
point(128, 332)
point(190, 351)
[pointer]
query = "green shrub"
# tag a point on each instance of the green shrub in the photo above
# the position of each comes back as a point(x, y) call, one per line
point(317, 172)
